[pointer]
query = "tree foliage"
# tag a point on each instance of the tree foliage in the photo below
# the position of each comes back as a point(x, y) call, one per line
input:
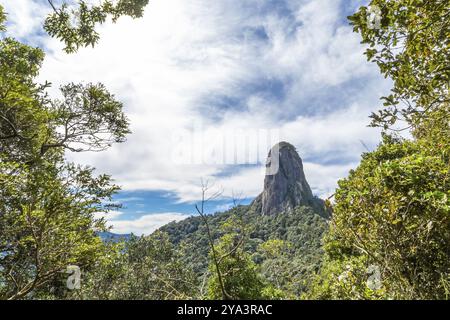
point(240, 276)
point(410, 44)
point(240, 273)
point(392, 213)
point(47, 223)
point(48, 206)
point(286, 273)
point(75, 24)
point(146, 267)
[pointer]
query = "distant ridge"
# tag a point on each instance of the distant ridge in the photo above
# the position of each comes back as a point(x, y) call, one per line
point(113, 237)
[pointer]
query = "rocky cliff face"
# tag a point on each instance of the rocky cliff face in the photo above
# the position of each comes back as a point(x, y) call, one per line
point(285, 185)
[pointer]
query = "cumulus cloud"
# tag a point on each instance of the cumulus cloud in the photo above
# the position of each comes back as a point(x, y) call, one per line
point(321, 177)
point(292, 67)
point(25, 18)
point(145, 224)
point(108, 215)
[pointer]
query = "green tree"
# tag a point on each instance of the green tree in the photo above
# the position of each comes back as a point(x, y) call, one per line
point(239, 274)
point(31, 124)
point(22, 115)
point(277, 267)
point(146, 267)
point(392, 213)
point(47, 206)
point(75, 24)
point(47, 223)
point(241, 279)
point(410, 44)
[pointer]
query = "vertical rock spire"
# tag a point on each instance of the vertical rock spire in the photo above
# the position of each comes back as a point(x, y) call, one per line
point(285, 185)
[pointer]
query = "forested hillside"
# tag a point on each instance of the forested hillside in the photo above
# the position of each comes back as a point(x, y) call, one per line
point(299, 235)
point(384, 232)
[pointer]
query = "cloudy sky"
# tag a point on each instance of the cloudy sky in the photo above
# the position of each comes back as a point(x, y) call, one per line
point(208, 86)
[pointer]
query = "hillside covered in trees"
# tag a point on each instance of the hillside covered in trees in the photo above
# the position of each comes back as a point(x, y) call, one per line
point(383, 234)
point(286, 248)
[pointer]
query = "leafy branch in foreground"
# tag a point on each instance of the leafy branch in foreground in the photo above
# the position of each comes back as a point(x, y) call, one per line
point(75, 25)
point(88, 118)
point(393, 212)
point(232, 272)
point(146, 267)
point(48, 207)
point(411, 47)
point(47, 223)
point(215, 258)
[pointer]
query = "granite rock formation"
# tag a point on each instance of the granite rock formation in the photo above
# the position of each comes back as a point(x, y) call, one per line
point(285, 185)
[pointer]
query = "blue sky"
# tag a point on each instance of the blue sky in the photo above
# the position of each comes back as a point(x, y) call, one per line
point(209, 86)
point(135, 203)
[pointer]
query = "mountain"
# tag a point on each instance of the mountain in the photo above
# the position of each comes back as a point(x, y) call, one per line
point(285, 185)
point(113, 237)
point(286, 210)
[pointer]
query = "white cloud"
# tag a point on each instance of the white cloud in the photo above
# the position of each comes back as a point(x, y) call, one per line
point(145, 224)
point(111, 215)
point(172, 67)
point(129, 199)
point(322, 179)
point(25, 17)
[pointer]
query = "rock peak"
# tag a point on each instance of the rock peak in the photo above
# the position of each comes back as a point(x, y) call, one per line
point(284, 144)
point(285, 185)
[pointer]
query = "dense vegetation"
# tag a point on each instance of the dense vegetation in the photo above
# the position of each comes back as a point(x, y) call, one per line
point(286, 248)
point(392, 214)
point(47, 205)
point(389, 235)
point(278, 258)
point(76, 25)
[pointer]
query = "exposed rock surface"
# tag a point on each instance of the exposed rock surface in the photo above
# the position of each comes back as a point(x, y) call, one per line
point(285, 185)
